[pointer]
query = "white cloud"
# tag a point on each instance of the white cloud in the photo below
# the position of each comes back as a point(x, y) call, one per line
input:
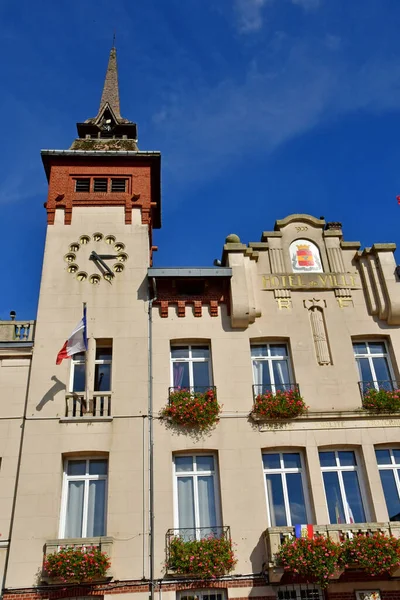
point(307, 4)
point(250, 14)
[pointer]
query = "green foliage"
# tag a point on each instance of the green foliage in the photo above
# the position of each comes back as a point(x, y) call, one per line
point(71, 565)
point(376, 554)
point(283, 404)
point(382, 400)
point(192, 409)
point(207, 558)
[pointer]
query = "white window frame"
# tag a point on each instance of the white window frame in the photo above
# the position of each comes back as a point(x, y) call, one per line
point(75, 362)
point(339, 469)
point(269, 359)
point(394, 467)
point(101, 361)
point(282, 471)
point(370, 356)
point(294, 591)
point(199, 594)
point(191, 360)
point(195, 474)
point(86, 478)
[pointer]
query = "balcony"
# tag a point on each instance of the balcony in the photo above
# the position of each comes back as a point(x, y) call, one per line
point(77, 407)
point(17, 331)
point(380, 396)
point(204, 552)
point(193, 392)
point(105, 544)
point(277, 402)
point(275, 536)
point(259, 389)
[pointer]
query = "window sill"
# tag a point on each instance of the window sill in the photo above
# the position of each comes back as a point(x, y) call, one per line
point(88, 419)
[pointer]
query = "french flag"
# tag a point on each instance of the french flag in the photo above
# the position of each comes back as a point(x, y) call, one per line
point(304, 531)
point(77, 341)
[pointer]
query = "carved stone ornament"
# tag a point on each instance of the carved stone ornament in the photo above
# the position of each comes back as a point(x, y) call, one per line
point(316, 311)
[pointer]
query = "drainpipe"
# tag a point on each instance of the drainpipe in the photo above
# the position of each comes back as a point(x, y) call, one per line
point(151, 436)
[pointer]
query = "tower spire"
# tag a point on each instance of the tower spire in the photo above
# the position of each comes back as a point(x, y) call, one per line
point(110, 93)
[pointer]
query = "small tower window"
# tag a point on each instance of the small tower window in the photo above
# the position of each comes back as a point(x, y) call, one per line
point(100, 185)
point(118, 185)
point(82, 185)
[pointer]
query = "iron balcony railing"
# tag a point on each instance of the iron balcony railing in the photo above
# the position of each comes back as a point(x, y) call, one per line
point(190, 534)
point(388, 385)
point(259, 389)
point(192, 391)
point(77, 406)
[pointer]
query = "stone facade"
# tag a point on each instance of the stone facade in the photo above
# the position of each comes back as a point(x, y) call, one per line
point(299, 310)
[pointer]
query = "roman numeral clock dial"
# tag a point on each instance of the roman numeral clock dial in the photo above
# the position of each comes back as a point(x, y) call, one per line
point(95, 258)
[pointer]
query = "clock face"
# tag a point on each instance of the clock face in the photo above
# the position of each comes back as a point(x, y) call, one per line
point(96, 257)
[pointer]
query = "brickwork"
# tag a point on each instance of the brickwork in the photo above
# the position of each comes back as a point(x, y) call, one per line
point(216, 292)
point(140, 193)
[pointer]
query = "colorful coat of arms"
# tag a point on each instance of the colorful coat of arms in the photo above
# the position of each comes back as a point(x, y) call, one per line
point(305, 257)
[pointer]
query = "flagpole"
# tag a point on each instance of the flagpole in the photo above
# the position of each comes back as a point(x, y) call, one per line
point(86, 361)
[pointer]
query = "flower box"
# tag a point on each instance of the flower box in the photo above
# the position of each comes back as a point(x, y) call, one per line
point(192, 409)
point(206, 558)
point(281, 404)
point(375, 554)
point(381, 400)
point(72, 564)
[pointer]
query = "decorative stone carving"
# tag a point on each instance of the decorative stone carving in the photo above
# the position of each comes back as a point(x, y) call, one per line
point(318, 327)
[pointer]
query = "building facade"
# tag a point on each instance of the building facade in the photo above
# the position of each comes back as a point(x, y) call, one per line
point(91, 452)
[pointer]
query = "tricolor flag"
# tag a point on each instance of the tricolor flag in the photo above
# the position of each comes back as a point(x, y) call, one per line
point(305, 531)
point(77, 341)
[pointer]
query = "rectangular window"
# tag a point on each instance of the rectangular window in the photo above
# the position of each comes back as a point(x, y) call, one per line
point(82, 185)
point(389, 469)
point(191, 367)
point(374, 366)
point(118, 185)
point(102, 369)
point(78, 370)
point(84, 498)
point(202, 595)
point(271, 367)
point(284, 484)
point(100, 185)
point(340, 473)
point(196, 496)
point(299, 592)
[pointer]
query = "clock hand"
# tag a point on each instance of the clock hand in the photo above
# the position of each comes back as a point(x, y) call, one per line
point(100, 264)
point(107, 256)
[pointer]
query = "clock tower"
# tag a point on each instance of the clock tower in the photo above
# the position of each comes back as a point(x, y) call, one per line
point(102, 205)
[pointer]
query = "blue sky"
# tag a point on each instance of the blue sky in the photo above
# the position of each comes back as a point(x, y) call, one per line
point(261, 108)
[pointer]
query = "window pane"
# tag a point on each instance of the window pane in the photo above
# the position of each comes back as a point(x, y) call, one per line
point(381, 369)
point(291, 460)
point(102, 378)
point(275, 500)
point(200, 375)
point(333, 497)
point(271, 461)
point(96, 508)
point(103, 353)
point(298, 513)
point(347, 458)
point(360, 348)
point(391, 494)
point(396, 455)
point(74, 518)
point(100, 185)
point(353, 495)
point(258, 351)
point(98, 467)
point(76, 467)
point(205, 463)
point(377, 347)
point(261, 375)
point(186, 504)
point(281, 372)
point(183, 463)
point(180, 352)
point(327, 459)
point(200, 352)
point(78, 384)
point(383, 457)
point(364, 370)
point(180, 371)
point(207, 513)
point(278, 349)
